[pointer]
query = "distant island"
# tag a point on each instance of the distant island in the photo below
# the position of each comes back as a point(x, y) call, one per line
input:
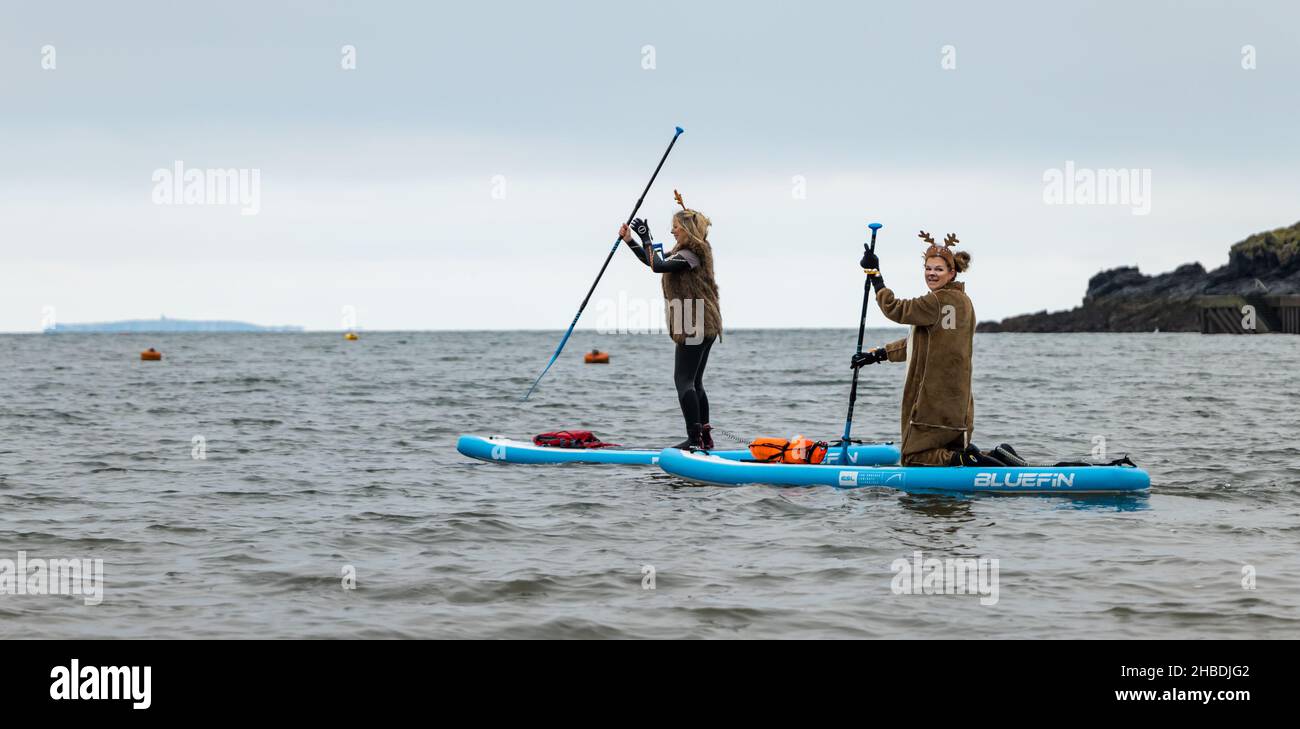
point(1263, 267)
point(163, 325)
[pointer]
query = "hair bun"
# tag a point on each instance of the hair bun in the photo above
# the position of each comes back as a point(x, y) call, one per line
point(962, 259)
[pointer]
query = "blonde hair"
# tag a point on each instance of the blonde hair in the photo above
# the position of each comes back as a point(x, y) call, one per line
point(695, 224)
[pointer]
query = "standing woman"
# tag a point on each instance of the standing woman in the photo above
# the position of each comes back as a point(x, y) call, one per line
point(938, 415)
point(694, 319)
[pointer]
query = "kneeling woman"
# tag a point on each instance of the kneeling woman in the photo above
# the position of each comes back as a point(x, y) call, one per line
point(938, 410)
point(694, 319)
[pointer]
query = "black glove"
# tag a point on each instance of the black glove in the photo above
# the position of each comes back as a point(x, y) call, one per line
point(642, 230)
point(871, 356)
point(869, 260)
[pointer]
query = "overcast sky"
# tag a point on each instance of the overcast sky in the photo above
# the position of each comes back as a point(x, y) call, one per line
point(471, 171)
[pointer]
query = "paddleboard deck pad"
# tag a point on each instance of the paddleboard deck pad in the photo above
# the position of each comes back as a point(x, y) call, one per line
point(710, 469)
point(497, 449)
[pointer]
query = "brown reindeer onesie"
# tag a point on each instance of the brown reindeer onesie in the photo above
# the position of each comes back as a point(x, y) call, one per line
point(938, 414)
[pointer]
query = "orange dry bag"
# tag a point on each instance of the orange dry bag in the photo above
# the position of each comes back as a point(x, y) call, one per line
point(782, 450)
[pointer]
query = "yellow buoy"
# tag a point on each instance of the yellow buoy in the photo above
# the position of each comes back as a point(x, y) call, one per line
point(151, 355)
point(351, 336)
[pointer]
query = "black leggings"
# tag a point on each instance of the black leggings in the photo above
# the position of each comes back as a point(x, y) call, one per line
point(688, 375)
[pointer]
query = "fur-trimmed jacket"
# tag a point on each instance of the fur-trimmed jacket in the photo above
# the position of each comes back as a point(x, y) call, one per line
point(938, 408)
point(688, 292)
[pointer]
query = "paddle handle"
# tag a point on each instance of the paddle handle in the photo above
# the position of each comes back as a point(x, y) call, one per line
point(581, 307)
point(862, 330)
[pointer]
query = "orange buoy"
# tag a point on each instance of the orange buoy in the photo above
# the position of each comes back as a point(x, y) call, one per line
point(596, 356)
point(151, 355)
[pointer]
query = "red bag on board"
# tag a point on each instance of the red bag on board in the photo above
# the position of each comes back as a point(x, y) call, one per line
point(570, 439)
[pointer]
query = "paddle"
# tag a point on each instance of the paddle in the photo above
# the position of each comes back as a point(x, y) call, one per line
point(592, 290)
point(862, 327)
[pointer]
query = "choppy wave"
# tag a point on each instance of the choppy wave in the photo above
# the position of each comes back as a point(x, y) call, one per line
point(235, 488)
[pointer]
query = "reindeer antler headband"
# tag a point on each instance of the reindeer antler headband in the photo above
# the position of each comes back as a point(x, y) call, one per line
point(699, 224)
point(943, 251)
